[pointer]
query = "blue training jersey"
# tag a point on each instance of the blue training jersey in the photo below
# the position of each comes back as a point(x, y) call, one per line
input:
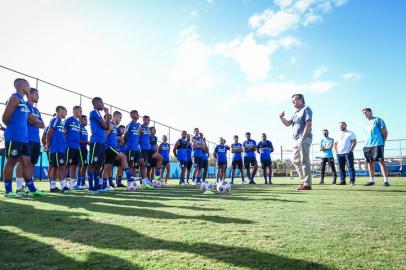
point(111, 140)
point(265, 149)
point(221, 152)
point(58, 144)
point(33, 131)
point(205, 155)
point(327, 153)
point(251, 145)
point(98, 132)
point(154, 143)
point(84, 137)
point(16, 129)
point(165, 148)
point(182, 149)
point(237, 155)
point(145, 138)
point(132, 131)
point(72, 126)
point(197, 152)
point(373, 132)
point(121, 147)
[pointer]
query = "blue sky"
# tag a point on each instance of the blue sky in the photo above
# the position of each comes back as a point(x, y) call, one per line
point(224, 66)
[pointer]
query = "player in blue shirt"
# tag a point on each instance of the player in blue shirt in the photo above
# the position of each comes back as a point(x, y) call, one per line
point(180, 152)
point(265, 148)
point(15, 117)
point(220, 154)
point(83, 153)
point(156, 158)
point(237, 150)
point(122, 148)
point(189, 151)
point(250, 147)
point(98, 126)
point(72, 127)
point(33, 139)
point(132, 140)
point(198, 149)
point(164, 150)
point(326, 150)
point(56, 145)
point(205, 158)
point(376, 135)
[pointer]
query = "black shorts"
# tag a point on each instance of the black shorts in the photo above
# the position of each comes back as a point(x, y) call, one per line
point(35, 148)
point(374, 153)
point(266, 163)
point(96, 153)
point(147, 155)
point(17, 149)
point(83, 157)
point(250, 161)
point(205, 164)
point(236, 164)
point(198, 162)
point(57, 159)
point(111, 155)
point(153, 162)
point(221, 164)
point(189, 165)
point(133, 156)
point(72, 156)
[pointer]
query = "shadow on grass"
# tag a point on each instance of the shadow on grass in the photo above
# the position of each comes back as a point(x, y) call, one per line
point(90, 204)
point(77, 228)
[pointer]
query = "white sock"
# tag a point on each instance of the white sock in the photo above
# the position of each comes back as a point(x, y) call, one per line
point(385, 178)
point(371, 179)
point(19, 182)
point(53, 184)
point(63, 183)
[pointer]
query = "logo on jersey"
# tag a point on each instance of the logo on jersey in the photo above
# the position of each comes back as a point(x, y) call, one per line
point(14, 152)
point(61, 161)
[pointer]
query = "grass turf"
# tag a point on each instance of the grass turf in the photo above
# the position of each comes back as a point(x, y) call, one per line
point(254, 227)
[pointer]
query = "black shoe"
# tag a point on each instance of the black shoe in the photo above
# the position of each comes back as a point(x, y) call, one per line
point(386, 184)
point(352, 183)
point(321, 182)
point(120, 185)
point(55, 190)
point(112, 185)
point(254, 182)
point(369, 184)
point(343, 183)
point(270, 182)
point(65, 189)
point(266, 182)
point(334, 182)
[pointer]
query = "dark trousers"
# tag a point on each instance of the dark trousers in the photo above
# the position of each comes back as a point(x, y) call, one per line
point(330, 162)
point(346, 160)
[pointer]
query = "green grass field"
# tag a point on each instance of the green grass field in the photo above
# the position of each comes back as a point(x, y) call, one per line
point(254, 227)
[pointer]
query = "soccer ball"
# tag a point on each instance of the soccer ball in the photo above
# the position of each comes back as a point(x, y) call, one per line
point(205, 186)
point(132, 186)
point(223, 187)
point(156, 183)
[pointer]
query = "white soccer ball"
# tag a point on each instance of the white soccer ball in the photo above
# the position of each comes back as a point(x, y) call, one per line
point(205, 186)
point(156, 183)
point(132, 186)
point(223, 187)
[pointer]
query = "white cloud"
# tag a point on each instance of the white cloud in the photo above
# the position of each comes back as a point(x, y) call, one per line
point(303, 5)
point(289, 41)
point(210, 1)
point(274, 92)
point(274, 23)
point(312, 18)
point(191, 70)
point(351, 76)
point(317, 73)
point(193, 14)
point(283, 3)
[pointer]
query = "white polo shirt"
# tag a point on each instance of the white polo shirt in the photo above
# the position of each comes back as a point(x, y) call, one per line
point(344, 141)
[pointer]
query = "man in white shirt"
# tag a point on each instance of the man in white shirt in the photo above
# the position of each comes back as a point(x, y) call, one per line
point(344, 145)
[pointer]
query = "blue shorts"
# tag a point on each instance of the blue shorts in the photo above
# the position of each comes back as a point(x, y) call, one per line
point(266, 163)
point(236, 164)
point(250, 161)
point(221, 163)
point(198, 162)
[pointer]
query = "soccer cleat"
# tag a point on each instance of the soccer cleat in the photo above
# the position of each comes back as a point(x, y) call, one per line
point(84, 186)
point(157, 177)
point(386, 184)
point(321, 183)
point(266, 183)
point(54, 190)
point(38, 193)
point(12, 195)
point(352, 183)
point(120, 185)
point(66, 189)
point(343, 183)
point(20, 191)
point(303, 187)
point(270, 182)
point(334, 182)
point(369, 184)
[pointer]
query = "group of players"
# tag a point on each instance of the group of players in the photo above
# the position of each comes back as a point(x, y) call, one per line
point(132, 149)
